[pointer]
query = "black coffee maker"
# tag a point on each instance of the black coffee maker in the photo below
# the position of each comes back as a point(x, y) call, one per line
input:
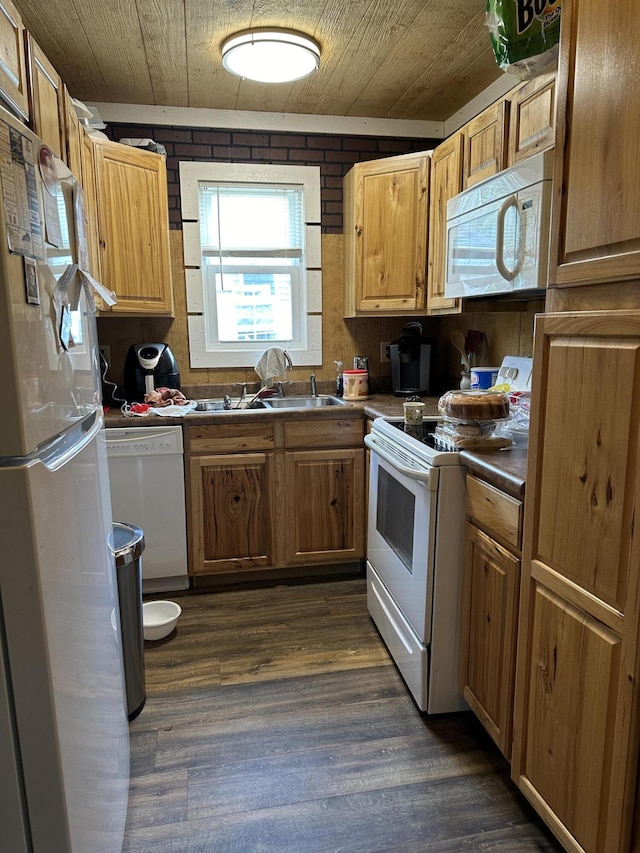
point(149, 366)
point(410, 362)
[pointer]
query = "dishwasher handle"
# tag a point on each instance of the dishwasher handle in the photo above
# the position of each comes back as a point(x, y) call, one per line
point(127, 441)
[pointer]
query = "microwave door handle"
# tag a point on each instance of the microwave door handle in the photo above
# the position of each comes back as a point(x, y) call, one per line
point(504, 271)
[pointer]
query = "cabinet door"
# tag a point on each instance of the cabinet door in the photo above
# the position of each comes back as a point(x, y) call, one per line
point(575, 746)
point(532, 117)
point(230, 514)
point(386, 235)
point(325, 506)
point(596, 212)
point(46, 99)
point(568, 708)
point(90, 208)
point(133, 228)
point(73, 136)
point(13, 69)
point(446, 182)
point(489, 618)
point(485, 150)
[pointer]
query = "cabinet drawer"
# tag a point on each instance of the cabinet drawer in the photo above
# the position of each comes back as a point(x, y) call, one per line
point(226, 438)
point(495, 512)
point(324, 433)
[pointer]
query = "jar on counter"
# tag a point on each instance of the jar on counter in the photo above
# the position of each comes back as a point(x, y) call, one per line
point(356, 384)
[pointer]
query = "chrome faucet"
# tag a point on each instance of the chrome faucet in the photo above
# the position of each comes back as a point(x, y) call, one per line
point(287, 359)
point(243, 393)
point(312, 383)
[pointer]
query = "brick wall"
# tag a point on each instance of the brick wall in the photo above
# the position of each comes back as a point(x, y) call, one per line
point(333, 154)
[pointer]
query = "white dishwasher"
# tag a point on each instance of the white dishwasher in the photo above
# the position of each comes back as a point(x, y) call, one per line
point(146, 472)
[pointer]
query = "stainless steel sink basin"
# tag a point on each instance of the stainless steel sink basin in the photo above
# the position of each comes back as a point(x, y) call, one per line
point(309, 402)
point(218, 406)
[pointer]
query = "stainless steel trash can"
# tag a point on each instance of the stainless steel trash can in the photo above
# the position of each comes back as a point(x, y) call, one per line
point(127, 544)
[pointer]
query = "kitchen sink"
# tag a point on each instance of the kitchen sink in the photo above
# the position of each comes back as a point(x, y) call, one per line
point(304, 402)
point(219, 406)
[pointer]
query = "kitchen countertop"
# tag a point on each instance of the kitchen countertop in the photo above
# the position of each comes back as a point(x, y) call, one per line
point(504, 469)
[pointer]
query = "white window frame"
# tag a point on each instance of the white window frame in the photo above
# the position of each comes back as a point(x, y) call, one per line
point(309, 350)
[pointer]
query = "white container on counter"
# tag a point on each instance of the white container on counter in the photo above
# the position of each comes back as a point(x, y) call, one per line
point(356, 384)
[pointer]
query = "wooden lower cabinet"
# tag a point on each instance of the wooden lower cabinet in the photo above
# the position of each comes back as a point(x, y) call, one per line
point(577, 701)
point(325, 505)
point(568, 708)
point(231, 511)
point(490, 607)
point(274, 494)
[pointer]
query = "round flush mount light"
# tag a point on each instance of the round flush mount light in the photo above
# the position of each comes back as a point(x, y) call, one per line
point(270, 55)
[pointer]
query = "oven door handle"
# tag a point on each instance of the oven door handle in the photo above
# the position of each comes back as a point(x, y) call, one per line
point(428, 478)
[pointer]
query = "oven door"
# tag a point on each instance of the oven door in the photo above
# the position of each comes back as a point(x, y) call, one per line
point(401, 536)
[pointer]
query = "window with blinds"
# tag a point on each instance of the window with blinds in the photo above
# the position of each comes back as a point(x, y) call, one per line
point(253, 261)
point(252, 240)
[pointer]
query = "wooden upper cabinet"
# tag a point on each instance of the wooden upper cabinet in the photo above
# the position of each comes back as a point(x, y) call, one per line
point(73, 135)
point(133, 228)
point(485, 149)
point(575, 747)
point(13, 70)
point(532, 117)
point(46, 98)
point(386, 208)
point(88, 171)
point(446, 182)
point(596, 211)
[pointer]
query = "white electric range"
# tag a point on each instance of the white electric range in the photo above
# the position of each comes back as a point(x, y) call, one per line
point(415, 547)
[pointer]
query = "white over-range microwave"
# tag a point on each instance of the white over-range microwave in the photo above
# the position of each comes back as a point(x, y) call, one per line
point(498, 232)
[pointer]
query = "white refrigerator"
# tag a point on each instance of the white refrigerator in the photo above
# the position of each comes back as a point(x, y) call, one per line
point(64, 741)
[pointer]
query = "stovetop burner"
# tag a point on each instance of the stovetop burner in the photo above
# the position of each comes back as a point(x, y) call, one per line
point(424, 433)
point(418, 440)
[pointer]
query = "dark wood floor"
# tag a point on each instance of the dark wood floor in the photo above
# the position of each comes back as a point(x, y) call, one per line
point(275, 721)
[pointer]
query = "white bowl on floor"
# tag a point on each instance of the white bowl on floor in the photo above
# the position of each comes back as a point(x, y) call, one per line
point(159, 618)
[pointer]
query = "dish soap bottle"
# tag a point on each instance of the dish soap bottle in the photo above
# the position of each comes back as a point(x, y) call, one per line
point(339, 379)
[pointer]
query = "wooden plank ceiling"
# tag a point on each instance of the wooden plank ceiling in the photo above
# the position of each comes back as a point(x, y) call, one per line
point(403, 59)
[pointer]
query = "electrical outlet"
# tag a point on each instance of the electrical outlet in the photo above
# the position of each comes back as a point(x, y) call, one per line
point(105, 351)
point(384, 351)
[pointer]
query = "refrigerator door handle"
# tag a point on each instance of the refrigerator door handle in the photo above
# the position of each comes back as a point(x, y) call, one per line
point(56, 453)
point(63, 449)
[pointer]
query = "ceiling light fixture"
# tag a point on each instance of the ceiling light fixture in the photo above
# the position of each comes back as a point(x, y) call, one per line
point(270, 55)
